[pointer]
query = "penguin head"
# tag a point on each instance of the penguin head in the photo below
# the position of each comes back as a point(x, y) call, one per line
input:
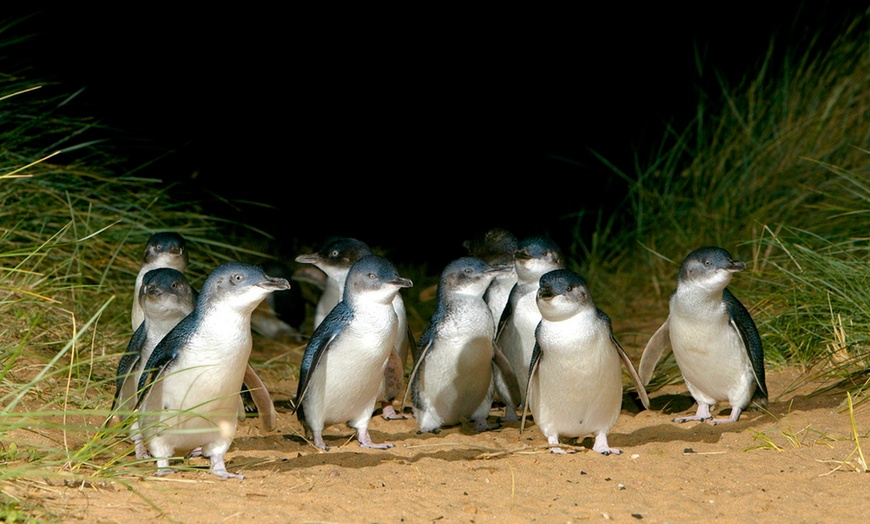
point(468, 276)
point(375, 277)
point(495, 247)
point(561, 294)
point(336, 256)
point(709, 266)
point(165, 291)
point(239, 286)
point(535, 256)
point(166, 249)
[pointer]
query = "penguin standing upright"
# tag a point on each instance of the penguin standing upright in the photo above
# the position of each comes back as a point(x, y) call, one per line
point(190, 385)
point(341, 376)
point(575, 376)
point(712, 336)
point(165, 297)
point(452, 377)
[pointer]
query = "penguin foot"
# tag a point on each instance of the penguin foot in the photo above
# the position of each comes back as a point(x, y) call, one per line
point(366, 442)
point(481, 425)
point(389, 413)
point(162, 472)
point(735, 416)
point(601, 446)
point(703, 413)
point(690, 419)
point(434, 431)
point(197, 452)
point(220, 469)
point(560, 451)
point(510, 416)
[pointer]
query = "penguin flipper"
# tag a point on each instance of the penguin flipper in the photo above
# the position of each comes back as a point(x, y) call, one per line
point(262, 398)
point(509, 377)
point(426, 342)
point(124, 387)
point(506, 313)
point(743, 323)
point(327, 331)
point(163, 355)
point(653, 351)
point(638, 384)
point(533, 368)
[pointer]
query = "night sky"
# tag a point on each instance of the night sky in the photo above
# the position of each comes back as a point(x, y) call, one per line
point(401, 122)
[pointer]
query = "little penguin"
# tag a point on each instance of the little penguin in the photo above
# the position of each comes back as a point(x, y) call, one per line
point(342, 369)
point(335, 259)
point(452, 377)
point(190, 385)
point(575, 374)
point(163, 249)
point(165, 297)
point(496, 247)
point(515, 331)
point(714, 340)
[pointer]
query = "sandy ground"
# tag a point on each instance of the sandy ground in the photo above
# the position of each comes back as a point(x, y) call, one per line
point(797, 463)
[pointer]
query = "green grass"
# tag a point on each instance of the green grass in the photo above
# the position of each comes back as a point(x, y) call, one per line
point(775, 169)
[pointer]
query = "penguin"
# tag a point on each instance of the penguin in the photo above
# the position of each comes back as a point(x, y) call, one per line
point(342, 369)
point(575, 374)
point(191, 382)
point(165, 297)
point(714, 340)
point(163, 249)
point(169, 249)
point(496, 247)
point(515, 332)
point(452, 377)
point(335, 258)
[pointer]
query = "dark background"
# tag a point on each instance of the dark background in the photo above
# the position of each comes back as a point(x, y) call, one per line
point(411, 129)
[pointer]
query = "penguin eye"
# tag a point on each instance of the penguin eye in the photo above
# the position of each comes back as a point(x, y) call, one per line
point(708, 262)
point(237, 278)
point(334, 253)
point(569, 289)
point(373, 276)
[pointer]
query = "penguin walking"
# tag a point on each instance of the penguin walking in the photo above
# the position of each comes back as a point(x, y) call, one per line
point(575, 376)
point(515, 333)
point(191, 383)
point(342, 371)
point(165, 297)
point(335, 258)
point(714, 340)
point(452, 377)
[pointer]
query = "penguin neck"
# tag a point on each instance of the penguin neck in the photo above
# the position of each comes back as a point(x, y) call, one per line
point(697, 299)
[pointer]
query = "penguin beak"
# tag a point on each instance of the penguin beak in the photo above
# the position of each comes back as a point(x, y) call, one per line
point(546, 293)
point(402, 282)
point(735, 266)
point(275, 284)
point(307, 259)
point(498, 269)
point(522, 254)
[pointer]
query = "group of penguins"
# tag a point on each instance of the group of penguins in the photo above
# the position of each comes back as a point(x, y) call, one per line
point(512, 325)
